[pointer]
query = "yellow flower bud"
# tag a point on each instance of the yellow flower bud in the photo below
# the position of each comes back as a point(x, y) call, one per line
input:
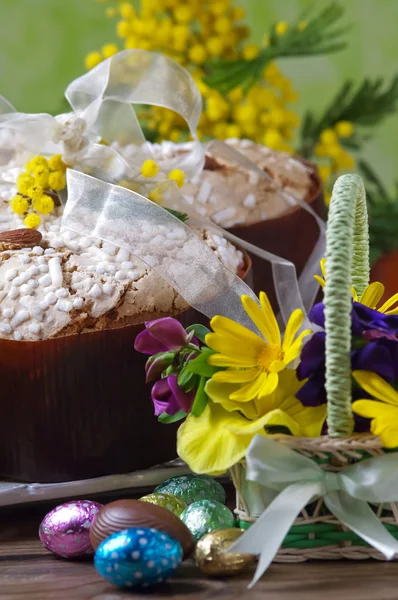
point(343, 160)
point(56, 163)
point(38, 161)
point(302, 25)
point(24, 182)
point(109, 50)
point(123, 29)
point(218, 8)
point(245, 112)
point(344, 129)
point(57, 181)
point(19, 205)
point(40, 175)
point(175, 135)
point(220, 130)
point(214, 46)
point(236, 94)
point(197, 54)
point(32, 220)
point(281, 27)
point(126, 10)
point(223, 25)
point(92, 60)
point(44, 205)
point(131, 42)
point(273, 139)
point(233, 130)
point(325, 172)
point(183, 13)
point(149, 168)
point(156, 195)
point(328, 136)
point(251, 51)
point(35, 192)
point(178, 176)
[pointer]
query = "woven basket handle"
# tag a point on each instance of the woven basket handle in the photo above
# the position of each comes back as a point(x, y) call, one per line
point(347, 264)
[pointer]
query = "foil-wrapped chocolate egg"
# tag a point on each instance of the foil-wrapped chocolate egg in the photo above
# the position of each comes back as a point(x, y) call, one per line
point(65, 530)
point(207, 515)
point(212, 558)
point(124, 514)
point(191, 488)
point(138, 557)
point(176, 505)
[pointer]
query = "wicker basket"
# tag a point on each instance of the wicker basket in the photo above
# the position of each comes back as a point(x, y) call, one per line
point(316, 533)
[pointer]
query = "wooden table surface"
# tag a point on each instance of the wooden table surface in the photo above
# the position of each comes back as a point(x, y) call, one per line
point(29, 572)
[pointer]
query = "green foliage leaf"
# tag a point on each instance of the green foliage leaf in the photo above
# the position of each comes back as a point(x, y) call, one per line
point(167, 419)
point(186, 379)
point(367, 105)
point(199, 365)
point(318, 37)
point(199, 331)
point(180, 215)
point(201, 399)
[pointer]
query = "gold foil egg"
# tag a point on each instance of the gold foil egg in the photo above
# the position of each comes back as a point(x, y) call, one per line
point(212, 558)
point(172, 503)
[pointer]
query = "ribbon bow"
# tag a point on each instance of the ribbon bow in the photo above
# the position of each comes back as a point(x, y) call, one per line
point(295, 480)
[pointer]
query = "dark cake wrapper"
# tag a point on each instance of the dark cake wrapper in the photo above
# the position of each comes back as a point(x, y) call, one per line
point(77, 407)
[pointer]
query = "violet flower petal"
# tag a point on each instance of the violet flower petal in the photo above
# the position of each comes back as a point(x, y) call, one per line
point(376, 357)
point(184, 399)
point(163, 399)
point(317, 314)
point(146, 343)
point(312, 355)
point(169, 332)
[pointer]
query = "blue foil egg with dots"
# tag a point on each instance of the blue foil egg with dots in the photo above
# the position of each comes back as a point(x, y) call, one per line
point(138, 557)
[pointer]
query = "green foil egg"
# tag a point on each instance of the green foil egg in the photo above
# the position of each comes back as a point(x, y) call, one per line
point(191, 488)
point(172, 503)
point(204, 516)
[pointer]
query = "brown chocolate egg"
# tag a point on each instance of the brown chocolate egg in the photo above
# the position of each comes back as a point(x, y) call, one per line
point(123, 514)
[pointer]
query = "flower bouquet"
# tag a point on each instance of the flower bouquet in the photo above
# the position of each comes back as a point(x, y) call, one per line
point(305, 421)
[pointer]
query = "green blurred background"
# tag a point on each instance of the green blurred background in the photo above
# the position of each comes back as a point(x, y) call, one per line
point(43, 44)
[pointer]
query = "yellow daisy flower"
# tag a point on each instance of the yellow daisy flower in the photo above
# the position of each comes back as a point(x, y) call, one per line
point(383, 411)
point(371, 296)
point(220, 436)
point(251, 361)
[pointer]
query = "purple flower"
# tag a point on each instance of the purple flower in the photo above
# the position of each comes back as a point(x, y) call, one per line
point(379, 356)
point(363, 319)
point(168, 397)
point(162, 335)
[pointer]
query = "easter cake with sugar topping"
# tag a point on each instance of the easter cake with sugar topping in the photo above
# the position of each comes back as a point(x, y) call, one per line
point(69, 284)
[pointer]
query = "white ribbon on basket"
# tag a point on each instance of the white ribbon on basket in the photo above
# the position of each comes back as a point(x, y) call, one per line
point(290, 481)
point(102, 101)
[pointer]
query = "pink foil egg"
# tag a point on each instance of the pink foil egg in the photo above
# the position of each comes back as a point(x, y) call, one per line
point(65, 530)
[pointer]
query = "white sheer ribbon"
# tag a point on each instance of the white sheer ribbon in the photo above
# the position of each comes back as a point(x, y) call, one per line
point(163, 242)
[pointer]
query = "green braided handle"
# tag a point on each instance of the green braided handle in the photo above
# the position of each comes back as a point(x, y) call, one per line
point(347, 264)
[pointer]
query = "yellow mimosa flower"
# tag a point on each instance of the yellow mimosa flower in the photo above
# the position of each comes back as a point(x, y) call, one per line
point(254, 361)
point(224, 427)
point(371, 296)
point(383, 411)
